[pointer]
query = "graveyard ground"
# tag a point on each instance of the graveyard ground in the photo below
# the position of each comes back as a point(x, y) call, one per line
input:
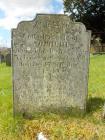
point(56, 126)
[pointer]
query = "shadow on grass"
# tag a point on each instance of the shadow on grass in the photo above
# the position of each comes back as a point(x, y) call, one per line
point(94, 104)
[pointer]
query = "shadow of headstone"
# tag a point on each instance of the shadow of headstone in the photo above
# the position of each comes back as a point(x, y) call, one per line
point(94, 104)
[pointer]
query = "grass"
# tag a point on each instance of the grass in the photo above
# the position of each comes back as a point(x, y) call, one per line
point(56, 126)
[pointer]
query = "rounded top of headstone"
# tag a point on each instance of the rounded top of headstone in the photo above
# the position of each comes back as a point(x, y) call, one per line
point(58, 17)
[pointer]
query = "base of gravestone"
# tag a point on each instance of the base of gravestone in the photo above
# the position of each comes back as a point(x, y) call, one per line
point(68, 112)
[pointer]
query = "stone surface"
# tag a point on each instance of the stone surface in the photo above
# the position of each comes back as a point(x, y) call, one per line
point(50, 64)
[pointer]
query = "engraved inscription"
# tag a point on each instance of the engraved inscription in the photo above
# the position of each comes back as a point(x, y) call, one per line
point(50, 64)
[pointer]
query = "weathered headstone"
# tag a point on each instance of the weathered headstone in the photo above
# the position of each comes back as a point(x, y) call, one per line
point(8, 59)
point(50, 64)
point(2, 58)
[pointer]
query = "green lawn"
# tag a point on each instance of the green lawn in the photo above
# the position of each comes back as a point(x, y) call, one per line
point(56, 126)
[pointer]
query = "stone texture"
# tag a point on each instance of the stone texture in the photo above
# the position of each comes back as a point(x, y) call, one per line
point(50, 64)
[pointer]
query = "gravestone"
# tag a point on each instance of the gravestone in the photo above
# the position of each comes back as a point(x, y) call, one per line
point(50, 64)
point(8, 59)
point(2, 58)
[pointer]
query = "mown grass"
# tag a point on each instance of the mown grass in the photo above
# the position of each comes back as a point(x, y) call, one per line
point(56, 126)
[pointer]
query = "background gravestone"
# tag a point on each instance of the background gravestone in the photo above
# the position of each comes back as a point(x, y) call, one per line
point(2, 58)
point(8, 59)
point(50, 64)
